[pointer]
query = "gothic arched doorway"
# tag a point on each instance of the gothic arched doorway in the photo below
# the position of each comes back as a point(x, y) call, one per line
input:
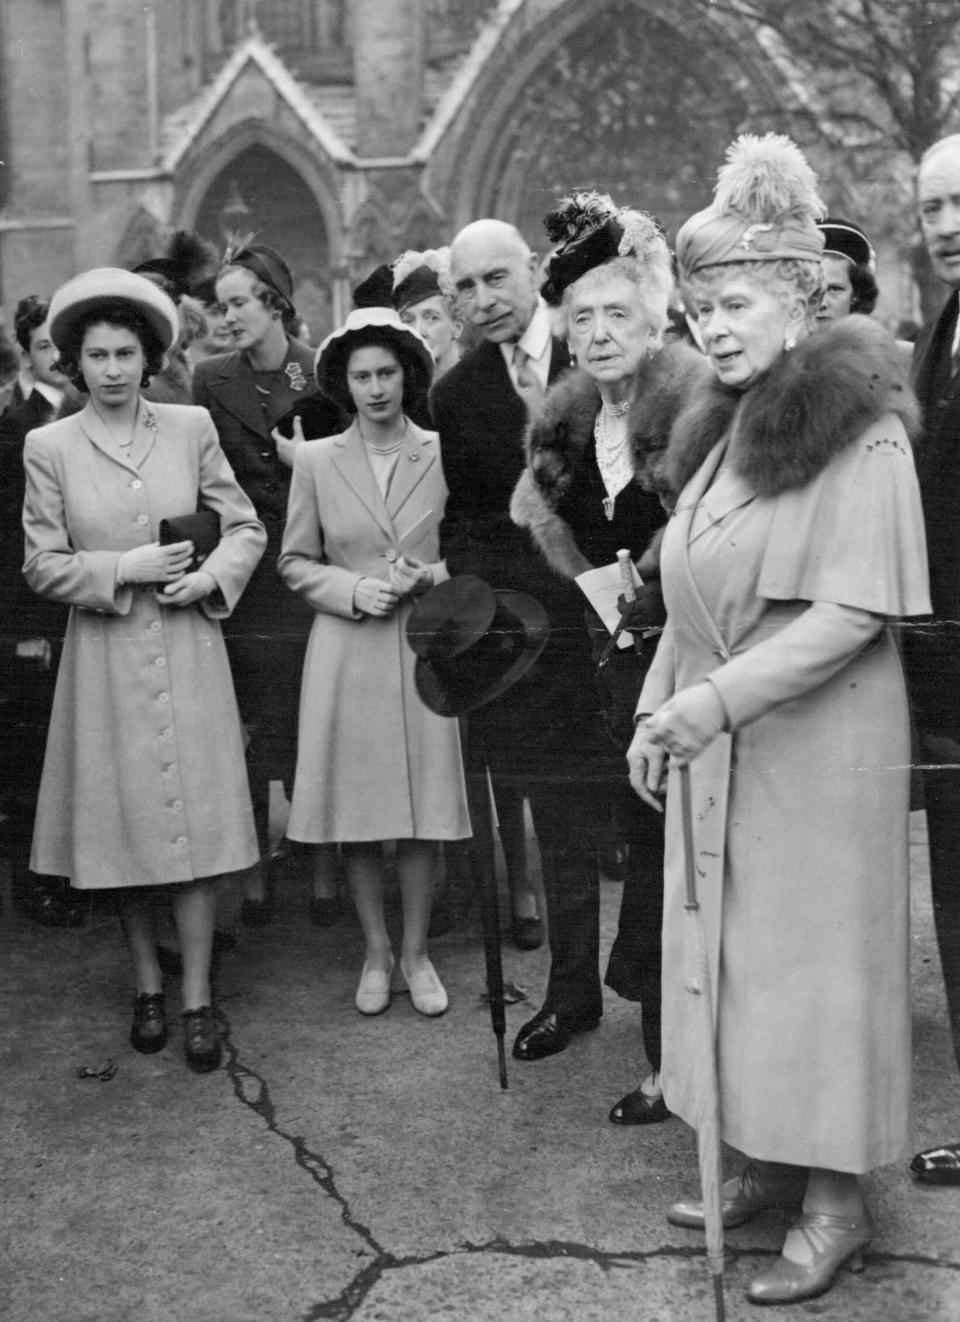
point(626, 103)
point(259, 193)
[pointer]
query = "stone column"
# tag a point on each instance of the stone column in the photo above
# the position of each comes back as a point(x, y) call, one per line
point(388, 63)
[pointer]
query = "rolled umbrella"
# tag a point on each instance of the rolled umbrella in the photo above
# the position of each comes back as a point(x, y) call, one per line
point(704, 1054)
point(485, 882)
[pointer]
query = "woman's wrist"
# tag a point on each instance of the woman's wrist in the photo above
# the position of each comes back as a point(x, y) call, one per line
point(641, 716)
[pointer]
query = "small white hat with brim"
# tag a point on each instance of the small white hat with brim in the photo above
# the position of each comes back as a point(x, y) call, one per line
point(332, 356)
point(111, 284)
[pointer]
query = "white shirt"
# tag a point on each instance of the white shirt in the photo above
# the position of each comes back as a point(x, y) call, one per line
point(536, 342)
point(52, 394)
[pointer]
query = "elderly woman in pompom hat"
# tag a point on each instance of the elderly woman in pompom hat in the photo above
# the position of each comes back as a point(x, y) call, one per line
point(361, 542)
point(143, 784)
point(593, 487)
point(797, 537)
point(249, 391)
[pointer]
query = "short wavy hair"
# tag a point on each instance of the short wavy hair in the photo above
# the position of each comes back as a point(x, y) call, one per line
point(31, 312)
point(111, 312)
point(785, 277)
point(865, 288)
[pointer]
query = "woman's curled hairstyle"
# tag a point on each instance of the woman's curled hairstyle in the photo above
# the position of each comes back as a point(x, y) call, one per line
point(111, 312)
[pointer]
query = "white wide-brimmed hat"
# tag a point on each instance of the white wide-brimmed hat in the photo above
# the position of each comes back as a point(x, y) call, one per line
point(111, 284)
point(362, 326)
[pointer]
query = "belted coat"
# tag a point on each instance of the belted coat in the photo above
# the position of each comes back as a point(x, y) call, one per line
point(373, 763)
point(144, 780)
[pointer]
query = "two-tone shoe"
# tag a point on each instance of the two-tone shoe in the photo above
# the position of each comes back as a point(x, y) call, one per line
point(754, 1191)
point(373, 990)
point(832, 1243)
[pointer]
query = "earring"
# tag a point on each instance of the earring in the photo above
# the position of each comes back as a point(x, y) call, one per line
point(789, 342)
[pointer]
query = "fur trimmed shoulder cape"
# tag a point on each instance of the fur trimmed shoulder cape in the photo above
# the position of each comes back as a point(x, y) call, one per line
point(557, 438)
point(812, 404)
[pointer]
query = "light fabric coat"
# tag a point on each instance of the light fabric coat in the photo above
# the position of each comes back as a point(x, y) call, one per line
point(800, 814)
point(373, 763)
point(144, 780)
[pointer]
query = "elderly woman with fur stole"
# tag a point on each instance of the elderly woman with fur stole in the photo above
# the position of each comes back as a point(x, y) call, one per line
point(590, 489)
point(797, 537)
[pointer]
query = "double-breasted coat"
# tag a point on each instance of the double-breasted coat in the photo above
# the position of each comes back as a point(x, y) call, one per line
point(373, 763)
point(800, 812)
point(144, 779)
point(267, 635)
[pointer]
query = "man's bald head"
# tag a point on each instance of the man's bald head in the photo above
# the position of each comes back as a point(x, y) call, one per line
point(494, 273)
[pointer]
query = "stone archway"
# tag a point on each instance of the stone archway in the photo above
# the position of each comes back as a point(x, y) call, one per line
point(623, 95)
point(256, 192)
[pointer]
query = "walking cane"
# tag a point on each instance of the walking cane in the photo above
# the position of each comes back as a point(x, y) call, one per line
point(485, 883)
point(708, 1117)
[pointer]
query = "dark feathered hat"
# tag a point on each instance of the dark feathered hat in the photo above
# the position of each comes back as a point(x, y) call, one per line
point(189, 260)
point(590, 230)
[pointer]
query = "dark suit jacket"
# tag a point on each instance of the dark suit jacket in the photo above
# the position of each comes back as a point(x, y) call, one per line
point(551, 719)
point(933, 652)
point(22, 612)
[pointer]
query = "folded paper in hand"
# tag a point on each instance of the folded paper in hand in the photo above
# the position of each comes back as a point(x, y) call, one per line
point(602, 587)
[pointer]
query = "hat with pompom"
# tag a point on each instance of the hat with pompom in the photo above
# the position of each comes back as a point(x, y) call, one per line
point(765, 208)
point(590, 230)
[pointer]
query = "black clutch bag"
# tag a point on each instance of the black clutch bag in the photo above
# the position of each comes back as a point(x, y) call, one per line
point(202, 528)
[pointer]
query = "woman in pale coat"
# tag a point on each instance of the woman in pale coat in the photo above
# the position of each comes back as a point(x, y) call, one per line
point(144, 784)
point(373, 764)
point(797, 535)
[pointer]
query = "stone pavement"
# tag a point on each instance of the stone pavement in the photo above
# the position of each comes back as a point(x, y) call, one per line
point(372, 1170)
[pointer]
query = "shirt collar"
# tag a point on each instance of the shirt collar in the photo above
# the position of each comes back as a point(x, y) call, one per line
point(536, 341)
point(52, 394)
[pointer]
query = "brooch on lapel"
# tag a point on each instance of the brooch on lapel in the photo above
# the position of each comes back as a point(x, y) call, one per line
point(295, 376)
point(150, 419)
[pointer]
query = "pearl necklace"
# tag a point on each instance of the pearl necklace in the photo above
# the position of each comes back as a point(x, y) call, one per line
point(613, 456)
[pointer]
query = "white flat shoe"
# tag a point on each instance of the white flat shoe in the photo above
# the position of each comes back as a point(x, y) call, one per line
point(426, 990)
point(373, 993)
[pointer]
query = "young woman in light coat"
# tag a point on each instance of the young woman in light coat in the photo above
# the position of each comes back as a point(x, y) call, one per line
point(361, 539)
point(144, 784)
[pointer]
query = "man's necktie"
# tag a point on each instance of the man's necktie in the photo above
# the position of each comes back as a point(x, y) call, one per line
point(528, 383)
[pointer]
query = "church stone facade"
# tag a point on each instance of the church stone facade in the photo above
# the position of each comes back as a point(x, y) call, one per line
point(343, 131)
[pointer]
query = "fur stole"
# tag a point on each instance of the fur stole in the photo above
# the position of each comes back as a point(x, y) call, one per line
point(809, 406)
point(560, 433)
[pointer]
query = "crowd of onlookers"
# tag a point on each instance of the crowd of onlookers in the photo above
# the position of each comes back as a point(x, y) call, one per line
point(674, 510)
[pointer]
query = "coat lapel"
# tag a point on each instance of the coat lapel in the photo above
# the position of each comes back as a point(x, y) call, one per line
point(417, 456)
point(686, 505)
point(351, 462)
point(144, 437)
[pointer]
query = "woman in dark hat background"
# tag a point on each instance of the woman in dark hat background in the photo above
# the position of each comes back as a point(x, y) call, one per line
point(849, 272)
point(143, 781)
point(248, 391)
point(187, 263)
point(373, 763)
point(591, 488)
point(797, 534)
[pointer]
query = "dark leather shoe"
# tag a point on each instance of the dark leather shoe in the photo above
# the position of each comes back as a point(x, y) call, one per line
point(528, 933)
point(938, 1165)
point(548, 1032)
point(201, 1039)
point(148, 1033)
point(637, 1108)
point(325, 910)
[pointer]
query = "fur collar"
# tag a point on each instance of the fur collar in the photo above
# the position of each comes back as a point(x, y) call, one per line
point(560, 433)
point(812, 403)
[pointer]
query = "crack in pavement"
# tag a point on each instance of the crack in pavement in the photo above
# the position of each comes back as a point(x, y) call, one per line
point(252, 1091)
